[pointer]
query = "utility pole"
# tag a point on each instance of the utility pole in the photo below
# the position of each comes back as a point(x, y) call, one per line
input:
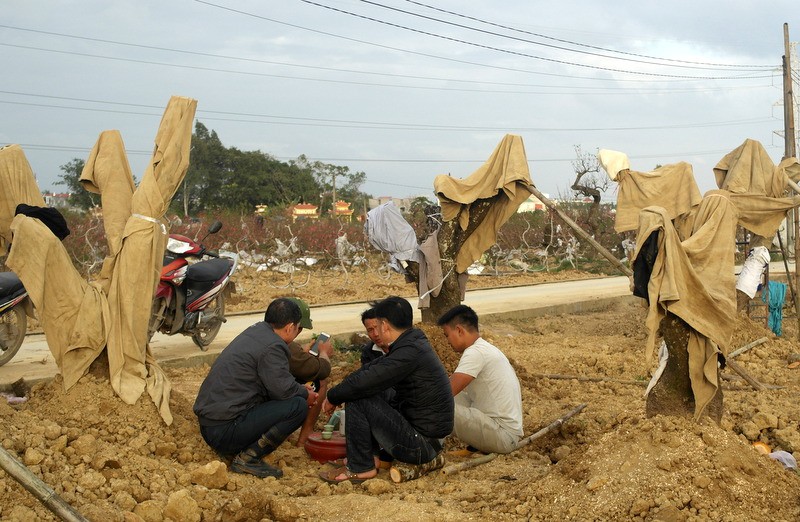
point(788, 99)
point(333, 203)
point(789, 151)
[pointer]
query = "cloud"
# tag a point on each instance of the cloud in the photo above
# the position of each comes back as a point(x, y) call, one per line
point(400, 97)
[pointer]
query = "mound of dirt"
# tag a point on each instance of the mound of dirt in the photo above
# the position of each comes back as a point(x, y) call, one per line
point(116, 462)
point(667, 468)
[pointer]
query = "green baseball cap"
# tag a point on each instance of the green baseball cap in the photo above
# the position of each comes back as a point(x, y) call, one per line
point(305, 313)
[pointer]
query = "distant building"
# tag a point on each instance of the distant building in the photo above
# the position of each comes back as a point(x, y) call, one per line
point(342, 209)
point(531, 204)
point(60, 200)
point(261, 210)
point(304, 211)
point(401, 203)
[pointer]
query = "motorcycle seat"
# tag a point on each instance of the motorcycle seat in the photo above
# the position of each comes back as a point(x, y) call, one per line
point(209, 270)
point(9, 284)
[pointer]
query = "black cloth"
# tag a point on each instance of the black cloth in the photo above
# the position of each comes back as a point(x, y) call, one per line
point(51, 218)
point(643, 266)
point(422, 387)
point(251, 370)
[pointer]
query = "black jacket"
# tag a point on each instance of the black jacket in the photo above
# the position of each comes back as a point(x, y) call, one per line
point(422, 387)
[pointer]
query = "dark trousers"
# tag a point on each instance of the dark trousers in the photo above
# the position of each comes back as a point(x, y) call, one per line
point(244, 431)
point(373, 424)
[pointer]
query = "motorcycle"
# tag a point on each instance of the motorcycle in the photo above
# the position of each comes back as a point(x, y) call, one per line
point(190, 297)
point(13, 319)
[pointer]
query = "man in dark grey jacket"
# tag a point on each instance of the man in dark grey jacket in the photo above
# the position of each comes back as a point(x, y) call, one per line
point(250, 403)
point(413, 429)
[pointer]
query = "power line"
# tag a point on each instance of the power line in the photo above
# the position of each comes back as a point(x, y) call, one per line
point(283, 64)
point(251, 73)
point(289, 77)
point(519, 53)
point(58, 148)
point(579, 44)
point(589, 89)
point(551, 46)
point(319, 122)
point(437, 57)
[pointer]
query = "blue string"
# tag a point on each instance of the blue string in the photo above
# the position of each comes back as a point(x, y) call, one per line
point(777, 295)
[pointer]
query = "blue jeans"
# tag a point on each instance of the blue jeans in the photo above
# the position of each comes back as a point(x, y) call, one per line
point(236, 435)
point(373, 424)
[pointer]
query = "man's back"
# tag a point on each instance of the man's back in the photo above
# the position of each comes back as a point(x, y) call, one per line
point(495, 389)
point(252, 369)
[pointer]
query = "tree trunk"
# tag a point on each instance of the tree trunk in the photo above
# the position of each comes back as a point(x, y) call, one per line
point(672, 394)
point(402, 472)
point(450, 240)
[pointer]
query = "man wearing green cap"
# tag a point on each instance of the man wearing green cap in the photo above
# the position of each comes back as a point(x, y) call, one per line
point(308, 368)
point(250, 403)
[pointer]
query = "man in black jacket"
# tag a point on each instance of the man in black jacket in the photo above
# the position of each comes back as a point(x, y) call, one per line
point(412, 431)
point(250, 403)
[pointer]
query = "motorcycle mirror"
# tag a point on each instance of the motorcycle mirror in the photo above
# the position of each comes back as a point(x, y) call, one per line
point(215, 227)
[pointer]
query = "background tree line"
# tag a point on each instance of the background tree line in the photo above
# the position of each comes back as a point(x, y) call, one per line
point(226, 178)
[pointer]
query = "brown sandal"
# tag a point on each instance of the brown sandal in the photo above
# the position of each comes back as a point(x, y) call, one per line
point(330, 476)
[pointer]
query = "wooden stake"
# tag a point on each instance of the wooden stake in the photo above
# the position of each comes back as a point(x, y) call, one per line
point(746, 376)
point(38, 488)
point(471, 463)
point(746, 347)
point(402, 472)
point(550, 427)
point(584, 378)
point(455, 468)
point(580, 232)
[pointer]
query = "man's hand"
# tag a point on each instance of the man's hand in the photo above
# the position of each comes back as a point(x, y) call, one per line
point(311, 400)
point(327, 407)
point(326, 349)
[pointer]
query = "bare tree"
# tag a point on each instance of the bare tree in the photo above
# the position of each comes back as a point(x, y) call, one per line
point(589, 183)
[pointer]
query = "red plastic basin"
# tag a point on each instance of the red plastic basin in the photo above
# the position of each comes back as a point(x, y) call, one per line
point(323, 450)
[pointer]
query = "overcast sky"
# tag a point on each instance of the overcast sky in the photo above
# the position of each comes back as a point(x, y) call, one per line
point(400, 89)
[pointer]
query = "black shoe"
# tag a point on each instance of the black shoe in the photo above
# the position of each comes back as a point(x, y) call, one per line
point(246, 463)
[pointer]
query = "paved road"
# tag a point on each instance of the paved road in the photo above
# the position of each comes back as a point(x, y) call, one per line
point(34, 361)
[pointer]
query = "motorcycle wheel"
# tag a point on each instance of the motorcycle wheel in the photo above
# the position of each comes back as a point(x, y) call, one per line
point(206, 333)
point(156, 316)
point(13, 326)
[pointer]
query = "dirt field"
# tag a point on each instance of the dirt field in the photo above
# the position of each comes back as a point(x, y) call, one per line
point(118, 462)
point(254, 290)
